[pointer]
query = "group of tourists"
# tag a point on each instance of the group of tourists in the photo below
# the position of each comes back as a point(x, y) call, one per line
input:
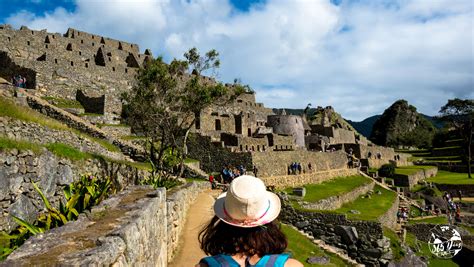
point(19, 81)
point(402, 214)
point(229, 173)
point(454, 210)
point(295, 168)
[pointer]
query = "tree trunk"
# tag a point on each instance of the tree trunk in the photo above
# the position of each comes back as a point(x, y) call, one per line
point(185, 152)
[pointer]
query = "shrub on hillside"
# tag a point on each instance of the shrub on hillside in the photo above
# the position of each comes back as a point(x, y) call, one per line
point(387, 170)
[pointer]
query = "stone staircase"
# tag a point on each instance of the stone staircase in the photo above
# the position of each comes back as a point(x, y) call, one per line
point(129, 149)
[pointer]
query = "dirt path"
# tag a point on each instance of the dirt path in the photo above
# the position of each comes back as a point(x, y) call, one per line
point(198, 215)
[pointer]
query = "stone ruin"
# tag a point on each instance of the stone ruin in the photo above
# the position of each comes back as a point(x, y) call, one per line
point(77, 65)
point(94, 70)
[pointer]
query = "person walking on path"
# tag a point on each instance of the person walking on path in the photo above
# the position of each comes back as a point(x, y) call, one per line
point(243, 231)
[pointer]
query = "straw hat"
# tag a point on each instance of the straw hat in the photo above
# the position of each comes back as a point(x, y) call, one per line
point(247, 203)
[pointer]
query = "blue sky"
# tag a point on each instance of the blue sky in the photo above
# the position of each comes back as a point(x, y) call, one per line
point(358, 56)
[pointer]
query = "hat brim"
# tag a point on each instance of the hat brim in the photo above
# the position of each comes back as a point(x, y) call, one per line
point(270, 215)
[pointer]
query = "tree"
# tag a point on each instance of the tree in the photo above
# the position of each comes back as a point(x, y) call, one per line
point(200, 63)
point(165, 102)
point(459, 113)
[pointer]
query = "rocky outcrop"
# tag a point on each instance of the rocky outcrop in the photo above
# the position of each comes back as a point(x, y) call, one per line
point(401, 125)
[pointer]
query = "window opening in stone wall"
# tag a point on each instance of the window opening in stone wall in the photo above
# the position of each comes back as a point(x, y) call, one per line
point(42, 57)
point(296, 120)
point(56, 60)
point(218, 125)
point(102, 41)
point(249, 132)
point(131, 46)
point(9, 39)
point(69, 47)
point(246, 148)
point(110, 59)
point(72, 63)
point(87, 65)
point(147, 52)
point(92, 37)
point(54, 37)
point(248, 115)
point(120, 46)
point(238, 124)
point(126, 70)
point(263, 147)
point(258, 147)
point(46, 40)
point(32, 33)
point(253, 148)
point(109, 54)
point(82, 41)
point(78, 33)
point(132, 61)
point(113, 68)
point(241, 148)
point(80, 53)
point(46, 46)
point(93, 44)
point(100, 58)
point(28, 43)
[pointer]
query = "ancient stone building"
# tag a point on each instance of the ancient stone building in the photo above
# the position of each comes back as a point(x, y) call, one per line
point(76, 65)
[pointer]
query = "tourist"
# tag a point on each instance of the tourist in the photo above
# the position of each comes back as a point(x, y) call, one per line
point(243, 231)
point(255, 170)
point(298, 166)
point(213, 183)
point(460, 195)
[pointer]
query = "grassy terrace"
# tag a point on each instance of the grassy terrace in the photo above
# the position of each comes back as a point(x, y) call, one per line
point(434, 220)
point(301, 248)
point(333, 187)
point(64, 151)
point(445, 177)
point(408, 170)
point(422, 249)
point(10, 109)
point(369, 208)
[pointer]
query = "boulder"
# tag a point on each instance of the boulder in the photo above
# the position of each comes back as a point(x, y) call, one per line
point(323, 260)
point(348, 234)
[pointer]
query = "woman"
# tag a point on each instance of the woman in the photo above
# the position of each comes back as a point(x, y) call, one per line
point(243, 231)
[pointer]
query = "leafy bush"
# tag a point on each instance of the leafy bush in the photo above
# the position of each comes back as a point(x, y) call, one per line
point(80, 196)
point(387, 170)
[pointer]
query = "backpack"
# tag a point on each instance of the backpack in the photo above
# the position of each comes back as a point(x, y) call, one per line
point(221, 260)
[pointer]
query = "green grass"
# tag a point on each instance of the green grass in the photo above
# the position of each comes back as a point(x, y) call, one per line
point(301, 248)
point(445, 177)
point(425, 251)
point(190, 160)
point(409, 170)
point(369, 208)
point(10, 109)
point(333, 187)
point(446, 147)
point(6, 143)
point(69, 152)
point(63, 103)
point(100, 125)
point(434, 220)
point(470, 229)
point(90, 114)
point(397, 250)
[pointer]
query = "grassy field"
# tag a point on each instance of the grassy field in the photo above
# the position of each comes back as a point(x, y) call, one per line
point(65, 151)
point(10, 109)
point(445, 177)
point(434, 220)
point(408, 170)
point(301, 248)
point(369, 208)
point(63, 103)
point(333, 187)
point(394, 243)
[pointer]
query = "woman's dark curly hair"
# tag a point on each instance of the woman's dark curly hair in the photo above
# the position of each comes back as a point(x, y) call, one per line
point(219, 237)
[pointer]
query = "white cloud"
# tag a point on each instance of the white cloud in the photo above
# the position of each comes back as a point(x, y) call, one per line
point(358, 57)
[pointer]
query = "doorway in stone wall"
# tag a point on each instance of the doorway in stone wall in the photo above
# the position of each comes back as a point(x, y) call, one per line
point(218, 125)
point(249, 132)
point(238, 124)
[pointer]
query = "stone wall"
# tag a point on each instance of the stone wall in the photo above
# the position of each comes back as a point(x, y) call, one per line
point(389, 219)
point(127, 229)
point(289, 125)
point(36, 133)
point(335, 202)
point(213, 156)
point(51, 173)
point(178, 202)
point(304, 179)
point(117, 131)
point(74, 61)
point(363, 240)
point(467, 190)
point(413, 179)
point(275, 163)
